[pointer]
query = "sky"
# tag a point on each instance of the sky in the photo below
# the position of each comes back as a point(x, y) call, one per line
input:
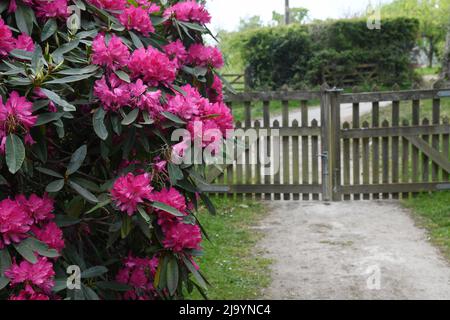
point(227, 13)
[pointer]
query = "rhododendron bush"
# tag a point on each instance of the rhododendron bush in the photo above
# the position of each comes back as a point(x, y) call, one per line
point(90, 94)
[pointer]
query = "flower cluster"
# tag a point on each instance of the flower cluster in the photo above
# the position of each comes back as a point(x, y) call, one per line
point(113, 55)
point(188, 11)
point(139, 273)
point(22, 218)
point(129, 191)
point(9, 43)
point(16, 117)
point(45, 9)
point(205, 56)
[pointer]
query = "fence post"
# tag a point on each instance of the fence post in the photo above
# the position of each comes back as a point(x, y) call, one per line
point(331, 144)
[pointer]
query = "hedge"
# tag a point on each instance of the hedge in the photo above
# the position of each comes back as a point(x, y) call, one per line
point(298, 56)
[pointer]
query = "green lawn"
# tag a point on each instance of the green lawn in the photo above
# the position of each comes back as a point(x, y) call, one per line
point(426, 71)
point(231, 262)
point(432, 211)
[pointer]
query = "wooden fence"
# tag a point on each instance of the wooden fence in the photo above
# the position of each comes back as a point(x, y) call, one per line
point(353, 146)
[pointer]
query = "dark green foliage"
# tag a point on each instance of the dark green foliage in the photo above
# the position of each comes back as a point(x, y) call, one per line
point(297, 56)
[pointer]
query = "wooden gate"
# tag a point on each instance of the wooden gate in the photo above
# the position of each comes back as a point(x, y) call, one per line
point(352, 146)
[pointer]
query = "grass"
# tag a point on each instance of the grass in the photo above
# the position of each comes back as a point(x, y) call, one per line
point(231, 263)
point(426, 71)
point(432, 211)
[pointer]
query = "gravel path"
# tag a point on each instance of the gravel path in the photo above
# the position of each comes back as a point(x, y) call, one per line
point(350, 250)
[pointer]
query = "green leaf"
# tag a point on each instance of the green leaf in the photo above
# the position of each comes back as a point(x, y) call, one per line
point(131, 117)
point(22, 54)
point(166, 208)
point(45, 118)
point(136, 41)
point(70, 79)
point(65, 221)
point(175, 173)
point(144, 214)
point(5, 261)
point(112, 285)
point(60, 284)
point(98, 121)
point(3, 282)
point(76, 71)
point(172, 275)
point(94, 272)
point(172, 117)
point(27, 248)
point(15, 153)
point(49, 29)
point(25, 19)
point(201, 281)
point(123, 75)
point(55, 186)
point(83, 192)
point(65, 48)
point(58, 100)
point(100, 205)
point(50, 172)
point(76, 160)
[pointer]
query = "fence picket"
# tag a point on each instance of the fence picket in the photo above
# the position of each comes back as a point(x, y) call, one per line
point(356, 151)
point(286, 150)
point(435, 137)
point(276, 178)
point(415, 150)
point(315, 158)
point(366, 160)
point(346, 160)
point(405, 160)
point(445, 149)
point(266, 123)
point(376, 147)
point(395, 145)
point(425, 159)
point(305, 148)
point(295, 161)
point(385, 157)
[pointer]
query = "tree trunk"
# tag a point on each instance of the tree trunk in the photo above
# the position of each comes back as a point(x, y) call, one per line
point(445, 74)
point(431, 54)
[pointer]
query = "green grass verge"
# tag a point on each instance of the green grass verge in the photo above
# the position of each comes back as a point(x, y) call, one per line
point(231, 263)
point(426, 71)
point(432, 211)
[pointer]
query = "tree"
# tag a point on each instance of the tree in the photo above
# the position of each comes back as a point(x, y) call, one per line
point(250, 23)
point(433, 16)
point(296, 15)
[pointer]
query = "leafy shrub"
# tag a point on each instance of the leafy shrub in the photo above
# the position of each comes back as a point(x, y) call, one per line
point(297, 56)
point(90, 96)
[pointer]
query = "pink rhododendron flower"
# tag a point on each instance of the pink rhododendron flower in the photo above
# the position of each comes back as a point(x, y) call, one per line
point(179, 236)
point(171, 197)
point(12, 6)
point(205, 56)
point(40, 274)
point(176, 52)
point(6, 39)
point(113, 55)
point(51, 8)
point(138, 273)
point(188, 11)
point(15, 222)
point(153, 66)
point(24, 42)
point(51, 235)
point(215, 93)
point(39, 209)
point(114, 5)
point(113, 94)
point(137, 18)
point(15, 116)
point(130, 190)
point(220, 114)
point(29, 294)
point(186, 106)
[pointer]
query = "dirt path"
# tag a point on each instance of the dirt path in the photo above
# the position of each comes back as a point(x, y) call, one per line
point(332, 251)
